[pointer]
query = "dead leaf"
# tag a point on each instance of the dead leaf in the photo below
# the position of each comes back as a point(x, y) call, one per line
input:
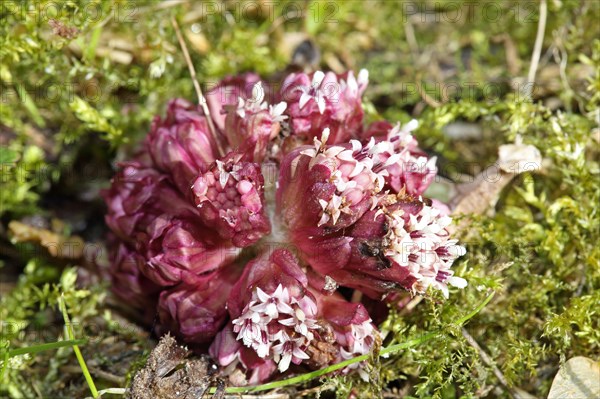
point(518, 158)
point(578, 378)
point(198, 41)
point(57, 245)
point(481, 195)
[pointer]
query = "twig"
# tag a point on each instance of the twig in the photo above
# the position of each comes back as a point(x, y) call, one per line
point(201, 99)
point(514, 392)
point(411, 39)
point(486, 358)
point(105, 375)
point(112, 391)
point(430, 101)
point(537, 48)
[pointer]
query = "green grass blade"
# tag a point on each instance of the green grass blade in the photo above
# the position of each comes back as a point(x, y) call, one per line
point(44, 347)
point(4, 366)
point(69, 328)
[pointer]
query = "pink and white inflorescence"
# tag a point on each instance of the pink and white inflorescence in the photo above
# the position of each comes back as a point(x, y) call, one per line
point(239, 229)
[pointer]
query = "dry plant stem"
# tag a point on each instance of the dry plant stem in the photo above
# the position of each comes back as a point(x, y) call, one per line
point(537, 49)
point(115, 379)
point(409, 31)
point(201, 99)
point(430, 101)
point(515, 392)
point(486, 359)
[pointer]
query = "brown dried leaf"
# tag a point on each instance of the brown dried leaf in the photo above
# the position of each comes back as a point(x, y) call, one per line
point(480, 195)
point(57, 245)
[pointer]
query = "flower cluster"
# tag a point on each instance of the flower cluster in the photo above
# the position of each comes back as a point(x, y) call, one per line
point(246, 264)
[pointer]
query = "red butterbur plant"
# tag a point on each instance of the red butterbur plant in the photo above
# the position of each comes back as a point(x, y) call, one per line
point(195, 211)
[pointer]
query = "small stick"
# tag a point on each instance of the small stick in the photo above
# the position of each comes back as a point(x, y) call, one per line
point(537, 48)
point(514, 392)
point(201, 99)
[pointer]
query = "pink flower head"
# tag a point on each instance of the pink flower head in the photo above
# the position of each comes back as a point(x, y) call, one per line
point(254, 124)
point(332, 185)
point(402, 243)
point(177, 249)
point(181, 144)
point(129, 283)
point(413, 171)
point(134, 202)
point(324, 100)
point(230, 198)
point(195, 310)
point(226, 94)
point(272, 312)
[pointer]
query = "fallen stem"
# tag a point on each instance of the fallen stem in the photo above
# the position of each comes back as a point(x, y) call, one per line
point(537, 48)
point(201, 98)
point(112, 391)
